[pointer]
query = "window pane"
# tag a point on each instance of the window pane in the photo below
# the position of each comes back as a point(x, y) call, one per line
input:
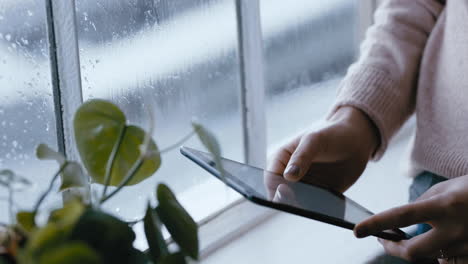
point(178, 58)
point(26, 101)
point(308, 47)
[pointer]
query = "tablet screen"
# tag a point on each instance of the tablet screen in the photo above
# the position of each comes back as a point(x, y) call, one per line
point(251, 181)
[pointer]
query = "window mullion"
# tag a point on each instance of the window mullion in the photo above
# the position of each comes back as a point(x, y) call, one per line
point(242, 215)
point(65, 69)
point(252, 81)
point(65, 64)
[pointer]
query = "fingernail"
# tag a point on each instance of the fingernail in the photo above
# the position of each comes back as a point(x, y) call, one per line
point(361, 233)
point(292, 170)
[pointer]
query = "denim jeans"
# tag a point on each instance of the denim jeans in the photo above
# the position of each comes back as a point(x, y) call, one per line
point(420, 185)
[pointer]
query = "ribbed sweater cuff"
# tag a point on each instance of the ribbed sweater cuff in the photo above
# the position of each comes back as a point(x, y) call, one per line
point(372, 91)
point(439, 159)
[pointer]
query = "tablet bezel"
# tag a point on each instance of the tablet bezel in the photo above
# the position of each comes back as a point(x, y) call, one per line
point(248, 193)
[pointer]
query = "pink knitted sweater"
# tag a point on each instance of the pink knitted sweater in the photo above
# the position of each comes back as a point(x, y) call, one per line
point(415, 60)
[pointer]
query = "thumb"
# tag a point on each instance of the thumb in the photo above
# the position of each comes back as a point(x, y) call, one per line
point(308, 149)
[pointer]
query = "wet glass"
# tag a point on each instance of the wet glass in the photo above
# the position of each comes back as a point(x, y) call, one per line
point(26, 103)
point(308, 47)
point(178, 59)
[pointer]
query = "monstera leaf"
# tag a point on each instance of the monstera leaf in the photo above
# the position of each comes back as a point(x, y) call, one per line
point(26, 220)
point(211, 144)
point(71, 253)
point(44, 240)
point(72, 173)
point(157, 244)
point(44, 152)
point(101, 129)
point(110, 237)
point(69, 214)
point(179, 223)
point(174, 258)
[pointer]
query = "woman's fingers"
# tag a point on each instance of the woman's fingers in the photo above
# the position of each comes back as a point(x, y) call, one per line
point(277, 163)
point(272, 181)
point(414, 213)
point(460, 249)
point(425, 246)
point(305, 153)
point(432, 192)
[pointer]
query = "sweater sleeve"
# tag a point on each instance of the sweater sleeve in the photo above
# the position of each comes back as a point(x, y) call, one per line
point(382, 83)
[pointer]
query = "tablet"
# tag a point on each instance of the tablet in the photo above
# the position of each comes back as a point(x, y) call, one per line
point(303, 199)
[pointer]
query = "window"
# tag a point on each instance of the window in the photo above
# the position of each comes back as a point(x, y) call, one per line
point(178, 58)
point(308, 47)
point(182, 59)
point(26, 100)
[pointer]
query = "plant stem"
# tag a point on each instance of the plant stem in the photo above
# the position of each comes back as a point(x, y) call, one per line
point(137, 165)
point(10, 204)
point(132, 223)
point(51, 185)
point(178, 143)
point(111, 161)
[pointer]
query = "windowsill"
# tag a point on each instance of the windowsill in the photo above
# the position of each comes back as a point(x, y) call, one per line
point(222, 215)
point(286, 238)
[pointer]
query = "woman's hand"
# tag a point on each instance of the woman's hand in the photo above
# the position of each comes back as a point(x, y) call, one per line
point(335, 155)
point(444, 207)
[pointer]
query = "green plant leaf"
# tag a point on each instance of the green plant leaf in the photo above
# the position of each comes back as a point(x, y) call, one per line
point(97, 127)
point(9, 179)
point(110, 237)
point(138, 257)
point(175, 258)
point(178, 222)
point(211, 144)
point(73, 176)
point(44, 152)
point(68, 215)
point(6, 177)
point(26, 220)
point(5, 260)
point(70, 253)
point(156, 242)
point(46, 238)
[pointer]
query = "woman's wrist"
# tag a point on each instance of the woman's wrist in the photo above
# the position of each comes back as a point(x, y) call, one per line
point(360, 121)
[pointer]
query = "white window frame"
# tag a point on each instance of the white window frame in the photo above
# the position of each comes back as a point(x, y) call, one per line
point(238, 217)
point(65, 70)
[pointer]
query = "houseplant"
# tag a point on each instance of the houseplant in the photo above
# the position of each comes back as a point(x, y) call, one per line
point(113, 154)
